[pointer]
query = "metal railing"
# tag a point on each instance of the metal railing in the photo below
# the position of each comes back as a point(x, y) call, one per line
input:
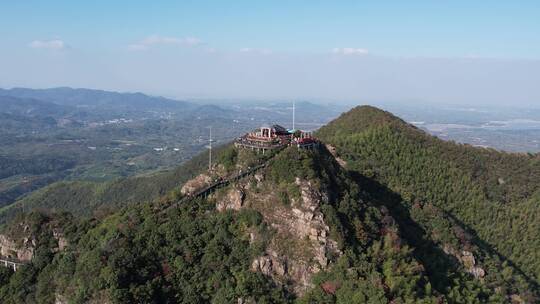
point(206, 191)
point(11, 263)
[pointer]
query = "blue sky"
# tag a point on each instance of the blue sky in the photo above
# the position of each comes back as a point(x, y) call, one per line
point(221, 48)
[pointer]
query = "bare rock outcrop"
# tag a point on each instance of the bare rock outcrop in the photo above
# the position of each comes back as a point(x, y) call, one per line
point(516, 299)
point(333, 151)
point(248, 300)
point(60, 299)
point(233, 200)
point(259, 178)
point(467, 259)
point(193, 185)
point(301, 246)
point(284, 269)
point(22, 252)
point(62, 241)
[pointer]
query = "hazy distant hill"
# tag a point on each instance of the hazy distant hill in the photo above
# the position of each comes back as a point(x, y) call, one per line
point(87, 98)
point(23, 106)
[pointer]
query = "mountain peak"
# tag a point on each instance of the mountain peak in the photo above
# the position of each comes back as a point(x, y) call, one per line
point(361, 118)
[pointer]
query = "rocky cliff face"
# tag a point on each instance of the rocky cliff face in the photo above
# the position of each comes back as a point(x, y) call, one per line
point(9, 248)
point(20, 241)
point(299, 245)
point(204, 179)
point(334, 153)
point(199, 182)
point(234, 199)
point(467, 259)
point(58, 235)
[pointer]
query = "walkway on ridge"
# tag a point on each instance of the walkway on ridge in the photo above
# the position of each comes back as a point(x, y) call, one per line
point(204, 192)
point(11, 263)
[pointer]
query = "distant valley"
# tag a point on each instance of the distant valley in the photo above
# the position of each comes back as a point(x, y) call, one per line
point(70, 134)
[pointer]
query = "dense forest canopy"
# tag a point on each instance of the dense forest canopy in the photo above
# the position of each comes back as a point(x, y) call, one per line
point(491, 194)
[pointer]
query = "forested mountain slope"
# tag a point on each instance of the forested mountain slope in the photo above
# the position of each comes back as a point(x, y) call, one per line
point(386, 215)
point(299, 230)
point(83, 198)
point(491, 195)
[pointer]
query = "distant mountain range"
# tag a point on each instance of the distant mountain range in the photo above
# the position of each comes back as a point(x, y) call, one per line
point(91, 99)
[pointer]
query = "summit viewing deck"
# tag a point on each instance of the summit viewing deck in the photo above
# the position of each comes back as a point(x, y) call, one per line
point(275, 137)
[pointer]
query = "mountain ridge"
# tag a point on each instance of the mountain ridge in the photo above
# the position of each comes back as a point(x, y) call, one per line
point(482, 189)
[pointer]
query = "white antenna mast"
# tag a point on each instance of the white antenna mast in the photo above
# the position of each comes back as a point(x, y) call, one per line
point(293, 114)
point(210, 151)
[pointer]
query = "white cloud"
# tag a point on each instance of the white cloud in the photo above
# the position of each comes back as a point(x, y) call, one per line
point(256, 51)
point(350, 51)
point(162, 40)
point(55, 44)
